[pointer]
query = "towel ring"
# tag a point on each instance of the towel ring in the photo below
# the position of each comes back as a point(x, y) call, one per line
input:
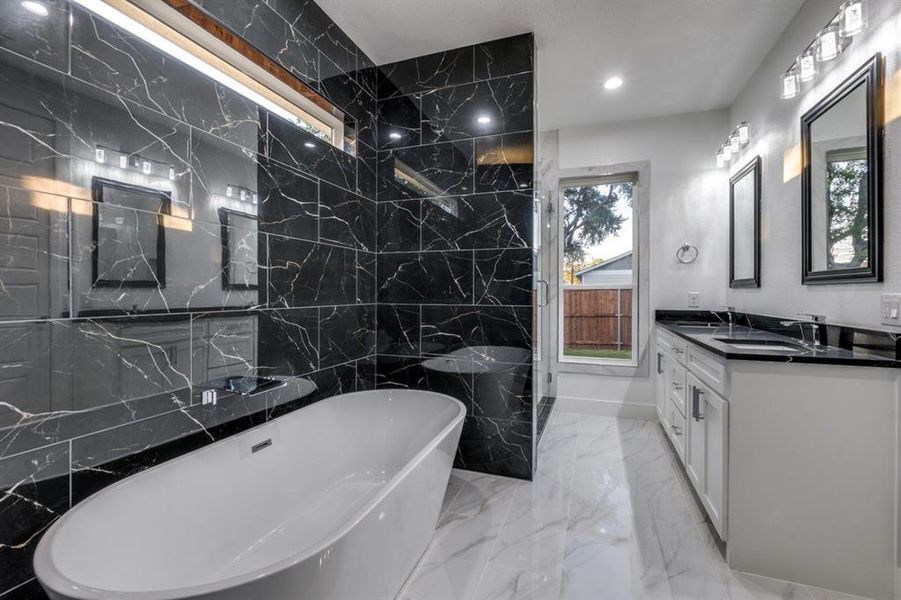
point(687, 253)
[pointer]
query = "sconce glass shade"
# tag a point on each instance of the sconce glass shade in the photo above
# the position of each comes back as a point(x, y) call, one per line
point(852, 17)
point(807, 65)
point(829, 43)
point(734, 142)
point(720, 159)
point(744, 133)
point(790, 83)
point(727, 151)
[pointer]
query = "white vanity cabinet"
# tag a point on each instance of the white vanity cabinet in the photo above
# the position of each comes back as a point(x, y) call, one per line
point(691, 406)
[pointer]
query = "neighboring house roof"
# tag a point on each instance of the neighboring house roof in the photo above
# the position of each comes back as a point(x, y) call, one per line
point(623, 262)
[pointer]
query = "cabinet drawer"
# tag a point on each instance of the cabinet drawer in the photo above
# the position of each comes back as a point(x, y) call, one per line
point(671, 344)
point(677, 386)
point(675, 429)
point(709, 368)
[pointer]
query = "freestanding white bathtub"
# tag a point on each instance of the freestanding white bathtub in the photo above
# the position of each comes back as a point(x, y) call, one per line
point(335, 501)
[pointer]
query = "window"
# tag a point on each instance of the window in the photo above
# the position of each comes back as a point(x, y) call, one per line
point(599, 269)
point(189, 35)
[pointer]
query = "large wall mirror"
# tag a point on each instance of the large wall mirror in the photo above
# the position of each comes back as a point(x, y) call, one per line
point(744, 226)
point(841, 142)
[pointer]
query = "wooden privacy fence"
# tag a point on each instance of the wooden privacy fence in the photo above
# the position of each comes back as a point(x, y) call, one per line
point(597, 318)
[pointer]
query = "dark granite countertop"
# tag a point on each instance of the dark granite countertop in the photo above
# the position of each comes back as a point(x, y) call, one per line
point(710, 335)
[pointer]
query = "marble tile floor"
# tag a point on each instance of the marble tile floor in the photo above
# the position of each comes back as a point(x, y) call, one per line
point(609, 516)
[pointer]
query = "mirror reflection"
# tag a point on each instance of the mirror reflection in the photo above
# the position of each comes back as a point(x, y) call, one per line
point(839, 214)
point(744, 193)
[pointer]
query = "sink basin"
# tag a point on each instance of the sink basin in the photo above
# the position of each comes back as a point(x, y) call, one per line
point(767, 345)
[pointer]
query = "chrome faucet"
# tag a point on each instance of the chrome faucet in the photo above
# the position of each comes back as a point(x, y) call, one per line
point(815, 322)
point(730, 310)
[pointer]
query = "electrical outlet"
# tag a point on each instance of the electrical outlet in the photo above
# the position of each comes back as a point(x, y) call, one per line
point(891, 309)
point(694, 299)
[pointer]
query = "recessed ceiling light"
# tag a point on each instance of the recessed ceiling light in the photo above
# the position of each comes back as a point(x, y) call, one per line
point(613, 83)
point(484, 119)
point(394, 135)
point(309, 144)
point(35, 7)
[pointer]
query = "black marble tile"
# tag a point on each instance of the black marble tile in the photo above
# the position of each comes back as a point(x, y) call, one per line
point(365, 267)
point(398, 329)
point(44, 38)
point(496, 446)
point(441, 375)
point(503, 277)
point(433, 277)
point(288, 342)
point(348, 95)
point(366, 374)
point(545, 408)
point(398, 226)
point(423, 73)
point(502, 390)
point(498, 220)
point(367, 171)
point(399, 122)
point(504, 162)
point(367, 73)
point(336, 47)
point(505, 56)
point(34, 255)
point(34, 492)
point(27, 591)
point(114, 60)
point(447, 328)
point(347, 333)
point(305, 152)
point(306, 274)
point(339, 275)
point(265, 29)
point(346, 218)
point(288, 202)
point(426, 171)
point(485, 108)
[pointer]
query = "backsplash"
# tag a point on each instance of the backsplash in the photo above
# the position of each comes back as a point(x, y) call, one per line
point(159, 232)
point(455, 162)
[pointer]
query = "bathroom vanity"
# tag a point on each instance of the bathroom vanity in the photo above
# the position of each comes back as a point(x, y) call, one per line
point(789, 446)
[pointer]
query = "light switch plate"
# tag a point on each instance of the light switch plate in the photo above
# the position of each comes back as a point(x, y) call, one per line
point(694, 299)
point(890, 309)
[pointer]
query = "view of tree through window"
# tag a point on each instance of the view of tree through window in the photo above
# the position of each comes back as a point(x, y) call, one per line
point(597, 270)
point(848, 217)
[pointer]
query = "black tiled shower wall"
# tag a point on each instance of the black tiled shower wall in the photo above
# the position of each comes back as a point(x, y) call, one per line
point(101, 381)
point(454, 213)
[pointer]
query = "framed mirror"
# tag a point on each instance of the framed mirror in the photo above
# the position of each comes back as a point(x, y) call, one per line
point(841, 187)
point(129, 238)
point(744, 226)
point(239, 250)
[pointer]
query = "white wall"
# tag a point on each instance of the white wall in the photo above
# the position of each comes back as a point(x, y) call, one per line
point(688, 202)
point(776, 135)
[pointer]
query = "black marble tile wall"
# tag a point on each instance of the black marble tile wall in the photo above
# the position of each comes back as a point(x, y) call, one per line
point(454, 214)
point(160, 233)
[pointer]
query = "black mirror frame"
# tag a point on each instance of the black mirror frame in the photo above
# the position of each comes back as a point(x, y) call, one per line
point(753, 169)
point(870, 75)
point(224, 220)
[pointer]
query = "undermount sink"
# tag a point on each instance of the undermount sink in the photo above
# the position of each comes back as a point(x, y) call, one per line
point(761, 344)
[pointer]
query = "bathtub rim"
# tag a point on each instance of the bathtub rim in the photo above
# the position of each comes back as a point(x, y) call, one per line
point(42, 561)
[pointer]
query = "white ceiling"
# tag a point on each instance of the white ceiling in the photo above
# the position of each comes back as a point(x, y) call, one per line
point(676, 56)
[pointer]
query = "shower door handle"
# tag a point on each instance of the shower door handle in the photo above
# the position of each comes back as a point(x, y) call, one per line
point(547, 293)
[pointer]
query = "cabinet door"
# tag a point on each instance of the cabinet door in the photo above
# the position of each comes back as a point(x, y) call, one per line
point(664, 368)
point(715, 417)
point(695, 442)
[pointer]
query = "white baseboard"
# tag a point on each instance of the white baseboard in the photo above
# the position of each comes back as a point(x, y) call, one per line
point(606, 408)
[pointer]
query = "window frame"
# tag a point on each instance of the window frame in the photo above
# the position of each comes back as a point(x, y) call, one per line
point(626, 176)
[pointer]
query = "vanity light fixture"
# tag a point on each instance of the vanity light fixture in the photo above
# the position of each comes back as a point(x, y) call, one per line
point(744, 133)
point(36, 8)
point(734, 142)
point(613, 83)
point(720, 159)
point(830, 42)
point(738, 139)
point(100, 155)
point(727, 151)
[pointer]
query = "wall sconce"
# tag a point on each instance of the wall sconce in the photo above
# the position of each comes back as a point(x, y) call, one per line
point(830, 42)
point(738, 139)
point(241, 193)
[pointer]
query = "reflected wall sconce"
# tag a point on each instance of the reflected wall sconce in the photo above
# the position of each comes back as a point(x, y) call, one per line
point(738, 139)
point(133, 162)
point(241, 193)
point(830, 42)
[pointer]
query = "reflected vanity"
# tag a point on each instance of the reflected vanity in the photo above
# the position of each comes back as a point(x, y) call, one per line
point(841, 141)
point(744, 226)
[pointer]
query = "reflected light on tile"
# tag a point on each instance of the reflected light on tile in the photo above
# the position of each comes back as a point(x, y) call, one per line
point(53, 186)
point(791, 163)
point(893, 97)
point(170, 222)
point(48, 202)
